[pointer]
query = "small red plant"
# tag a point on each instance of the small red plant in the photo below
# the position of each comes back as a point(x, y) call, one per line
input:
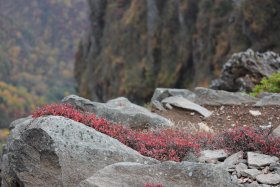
point(247, 139)
point(153, 185)
point(170, 144)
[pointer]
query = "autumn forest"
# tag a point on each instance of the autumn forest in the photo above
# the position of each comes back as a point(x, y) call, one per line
point(38, 41)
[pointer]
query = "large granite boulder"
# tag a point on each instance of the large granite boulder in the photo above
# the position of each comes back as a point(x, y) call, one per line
point(55, 151)
point(246, 69)
point(184, 174)
point(121, 111)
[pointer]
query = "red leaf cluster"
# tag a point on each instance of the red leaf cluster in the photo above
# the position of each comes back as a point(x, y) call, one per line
point(170, 144)
point(248, 139)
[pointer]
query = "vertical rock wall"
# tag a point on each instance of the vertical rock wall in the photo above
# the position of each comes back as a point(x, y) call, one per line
point(134, 46)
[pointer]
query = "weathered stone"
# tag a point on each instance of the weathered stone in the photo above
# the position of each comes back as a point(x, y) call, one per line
point(251, 173)
point(264, 94)
point(55, 151)
point(240, 167)
point(265, 170)
point(265, 126)
point(181, 102)
point(162, 93)
point(243, 180)
point(232, 160)
point(275, 167)
point(259, 160)
point(25, 120)
point(156, 104)
point(187, 94)
point(205, 96)
point(234, 178)
point(253, 184)
point(184, 174)
point(246, 69)
point(212, 154)
point(270, 100)
point(264, 185)
point(276, 132)
point(268, 178)
point(255, 112)
point(168, 106)
point(120, 111)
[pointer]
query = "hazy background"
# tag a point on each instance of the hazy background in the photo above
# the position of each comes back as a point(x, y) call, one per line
point(38, 42)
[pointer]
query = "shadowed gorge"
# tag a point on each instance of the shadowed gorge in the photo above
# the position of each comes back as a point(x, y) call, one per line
point(134, 46)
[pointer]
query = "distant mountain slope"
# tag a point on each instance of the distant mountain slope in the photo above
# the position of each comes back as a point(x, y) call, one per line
point(38, 42)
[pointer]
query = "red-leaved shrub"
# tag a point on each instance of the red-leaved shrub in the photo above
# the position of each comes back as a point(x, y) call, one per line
point(161, 145)
point(170, 144)
point(247, 139)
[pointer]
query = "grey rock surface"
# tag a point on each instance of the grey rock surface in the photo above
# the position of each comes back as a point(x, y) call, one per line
point(276, 132)
point(251, 173)
point(162, 93)
point(270, 178)
point(269, 100)
point(184, 174)
point(157, 104)
point(120, 111)
point(205, 96)
point(240, 167)
point(55, 151)
point(259, 160)
point(275, 167)
point(232, 160)
point(246, 69)
point(212, 154)
point(181, 102)
point(25, 120)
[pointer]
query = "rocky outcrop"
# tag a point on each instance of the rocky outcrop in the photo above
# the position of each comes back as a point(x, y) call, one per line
point(187, 105)
point(251, 169)
point(55, 151)
point(246, 69)
point(120, 111)
point(269, 100)
point(204, 96)
point(184, 174)
point(134, 46)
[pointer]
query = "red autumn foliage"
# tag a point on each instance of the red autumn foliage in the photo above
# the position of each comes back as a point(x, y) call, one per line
point(247, 139)
point(161, 145)
point(170, 144)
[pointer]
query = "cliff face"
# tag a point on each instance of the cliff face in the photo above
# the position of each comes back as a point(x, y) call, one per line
point(134, 46)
